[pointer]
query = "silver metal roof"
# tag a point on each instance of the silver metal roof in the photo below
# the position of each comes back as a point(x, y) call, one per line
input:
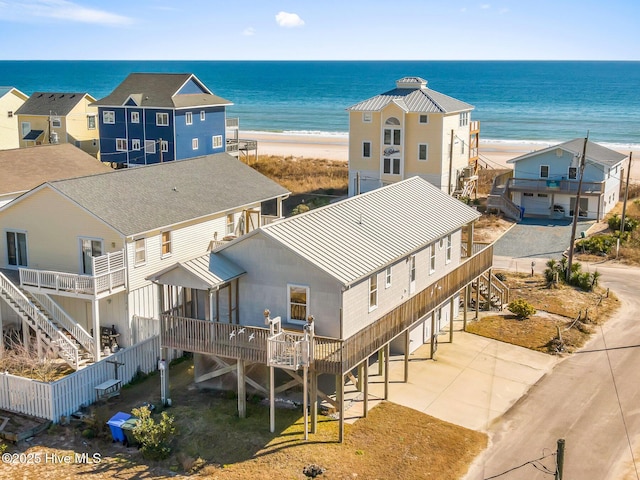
point(204, 272)
point(412, 95)
point(595, 153)
point(353, 238)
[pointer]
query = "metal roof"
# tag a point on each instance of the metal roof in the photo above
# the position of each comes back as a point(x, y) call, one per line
point(412, 95)
point(595, 153)
point(139, 200)
point(205, 272)
point(5, 90)
point(353, 238)
point(159, 90)
point(52, 103)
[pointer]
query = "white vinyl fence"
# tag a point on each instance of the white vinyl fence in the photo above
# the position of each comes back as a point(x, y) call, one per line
point(67, 395)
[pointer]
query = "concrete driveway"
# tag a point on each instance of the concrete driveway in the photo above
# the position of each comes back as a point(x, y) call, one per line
point(538, 238)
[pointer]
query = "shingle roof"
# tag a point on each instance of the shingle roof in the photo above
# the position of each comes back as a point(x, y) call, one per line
point(360, 235)
point(51, 103)
point(158, 90)
point(139, 200)
point(412, 95)
point(26, 168)
point(595, 153)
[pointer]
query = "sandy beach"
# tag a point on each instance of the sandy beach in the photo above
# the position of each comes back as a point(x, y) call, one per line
point(336, 147)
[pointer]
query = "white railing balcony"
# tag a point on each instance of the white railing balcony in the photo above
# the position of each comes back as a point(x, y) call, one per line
point(109, 276)
point(268, 219)
point(288, 350)
point(233, 122)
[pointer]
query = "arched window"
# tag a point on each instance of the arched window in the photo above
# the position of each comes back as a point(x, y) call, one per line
point(392, 135)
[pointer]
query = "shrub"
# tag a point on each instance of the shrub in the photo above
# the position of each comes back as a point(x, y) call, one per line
point(501, 276)
point(153, 437)
point(597, 245)
point(630, 224)
point(521, 308)
point(300, 209)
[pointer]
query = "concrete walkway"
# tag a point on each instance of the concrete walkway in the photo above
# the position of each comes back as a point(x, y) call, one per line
point(471, 382)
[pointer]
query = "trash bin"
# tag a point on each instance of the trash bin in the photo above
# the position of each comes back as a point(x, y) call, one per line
point(127, 427)
point(115, 424)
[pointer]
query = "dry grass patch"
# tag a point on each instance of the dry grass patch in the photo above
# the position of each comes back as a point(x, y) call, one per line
point(556, 308)
point(490, 228)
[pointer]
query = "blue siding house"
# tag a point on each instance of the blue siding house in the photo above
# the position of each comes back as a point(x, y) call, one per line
point(159, 117)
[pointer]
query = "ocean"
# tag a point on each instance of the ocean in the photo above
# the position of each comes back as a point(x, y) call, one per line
point(515, 101)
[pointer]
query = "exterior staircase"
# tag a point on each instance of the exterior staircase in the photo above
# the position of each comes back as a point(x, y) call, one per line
point(494, 294)
point(498, 199)
point(49, 332)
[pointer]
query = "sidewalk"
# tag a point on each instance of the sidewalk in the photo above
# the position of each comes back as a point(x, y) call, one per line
point(471, 382)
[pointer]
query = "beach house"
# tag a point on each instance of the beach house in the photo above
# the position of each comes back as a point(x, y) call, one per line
point(11, 99)
point(378, 271)
point(159, 117)
point(53, 117)
point(26, 168)
point(545, 182)
point(412, 130)
point(81, 249)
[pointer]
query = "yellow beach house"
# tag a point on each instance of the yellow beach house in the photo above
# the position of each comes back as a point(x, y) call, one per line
point(50, 117)
point(11, 99)
point(408, 131)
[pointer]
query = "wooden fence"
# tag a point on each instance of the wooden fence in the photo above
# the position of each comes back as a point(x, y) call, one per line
point(67, 395)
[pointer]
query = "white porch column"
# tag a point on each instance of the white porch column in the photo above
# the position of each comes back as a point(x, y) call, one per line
point(95, 313)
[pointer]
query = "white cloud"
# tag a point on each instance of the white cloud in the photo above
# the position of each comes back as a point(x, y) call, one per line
point(60, 10)
point(248, 32)
point(485, 6)
point(289, 20)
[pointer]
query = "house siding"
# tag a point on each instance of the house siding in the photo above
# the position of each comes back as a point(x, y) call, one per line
point(9, 126)
point(265, 284)
point(214, 124)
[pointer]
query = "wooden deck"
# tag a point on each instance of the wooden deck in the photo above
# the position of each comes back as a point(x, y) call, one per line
point(333, 356)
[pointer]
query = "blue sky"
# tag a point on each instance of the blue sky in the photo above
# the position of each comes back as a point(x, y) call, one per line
point(320, 30)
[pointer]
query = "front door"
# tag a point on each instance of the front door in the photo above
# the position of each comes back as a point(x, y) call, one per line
point(89, 248)
point(17, 249)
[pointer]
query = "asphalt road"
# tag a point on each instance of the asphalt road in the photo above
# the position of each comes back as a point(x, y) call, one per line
point(591, 399)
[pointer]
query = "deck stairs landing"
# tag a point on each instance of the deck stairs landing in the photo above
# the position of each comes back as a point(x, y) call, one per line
point(494, 294)
point(286, 349)
point(49, 333)
point(498, 199)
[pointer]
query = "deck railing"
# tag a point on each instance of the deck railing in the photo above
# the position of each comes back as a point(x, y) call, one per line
point(550, 185)
point(108, 275)
point(330, 355)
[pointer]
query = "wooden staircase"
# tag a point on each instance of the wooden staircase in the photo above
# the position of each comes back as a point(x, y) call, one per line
point(498, 199)
point(494, 294)
point(46, 331)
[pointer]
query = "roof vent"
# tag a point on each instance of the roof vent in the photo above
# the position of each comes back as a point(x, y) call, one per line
point(411, 82)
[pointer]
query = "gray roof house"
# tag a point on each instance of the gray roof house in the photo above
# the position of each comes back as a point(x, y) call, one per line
point(384, 269)
point(94, 240)
point(412, 130)
point(545, 182)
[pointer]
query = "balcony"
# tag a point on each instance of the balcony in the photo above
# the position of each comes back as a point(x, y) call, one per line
point(108, 278)
point(235, 145)
point(330, 355)
point(545, 185)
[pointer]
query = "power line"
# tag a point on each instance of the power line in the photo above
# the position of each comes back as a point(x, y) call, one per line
point(530, 462)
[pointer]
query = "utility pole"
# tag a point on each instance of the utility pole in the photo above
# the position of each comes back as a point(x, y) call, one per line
point(626, 196)
point(560, 459)
point(450, 161)
point(576, 208)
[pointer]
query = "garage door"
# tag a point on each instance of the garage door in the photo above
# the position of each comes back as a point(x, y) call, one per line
point(536, 203)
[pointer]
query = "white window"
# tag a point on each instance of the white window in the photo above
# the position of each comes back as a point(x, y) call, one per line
point(91, 122)
point(162, 119)
point(231, 224)
point(135, 144)
point(298, 300)
point(544, 171)
point(387, 278)
point(366, 117)
point(449, 248)
point(424, 119)
point(412, 273)
point(17, 249)
point(366, 149)
point(164, 145)
point(194, 144)
point(464, 119)
point(25, 127)
point(423, 152)
point(140, 252)
point(149, 146)
point(391, 166)
point(108, 117)
point(135, 117)
point(121, 144)
point(432, 258)
point(392, 135)
point(188, 118)
point(165, 240)
point(216, 141)
point(373, 292)
point(202, 115)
